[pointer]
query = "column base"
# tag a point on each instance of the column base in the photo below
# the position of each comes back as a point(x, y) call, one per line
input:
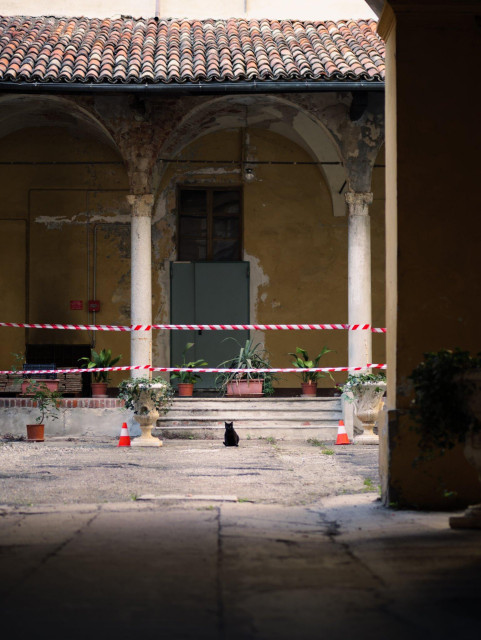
point(146, 442)
point(366, 439)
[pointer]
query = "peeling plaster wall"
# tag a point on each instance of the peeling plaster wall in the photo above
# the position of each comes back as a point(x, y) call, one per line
point(225, 146)
point(143, 128)
point(295, 234)
point(69, 220)
point(296, 247)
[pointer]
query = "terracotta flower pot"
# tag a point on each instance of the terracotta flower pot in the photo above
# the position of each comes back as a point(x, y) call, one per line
point(309, 388)
point(35, 432)
point(99, 390)
point(245, 388)
point(186, 389)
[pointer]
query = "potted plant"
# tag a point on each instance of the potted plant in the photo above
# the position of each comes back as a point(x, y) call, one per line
point(248, 383)
point(187, 379)
point(309, 378)
point(47, 403)
point(100, 359)
point(446, 410)
point(148, 399)
point(52, 383)
point(366, 390)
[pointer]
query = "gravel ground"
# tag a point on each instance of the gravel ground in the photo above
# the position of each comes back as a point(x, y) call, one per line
point(261, 471)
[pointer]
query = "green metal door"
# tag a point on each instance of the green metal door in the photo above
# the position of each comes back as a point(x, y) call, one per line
point(208, 293)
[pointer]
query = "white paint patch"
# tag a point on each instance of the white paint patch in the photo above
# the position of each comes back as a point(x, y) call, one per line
point(57, 222)
point(258, 280)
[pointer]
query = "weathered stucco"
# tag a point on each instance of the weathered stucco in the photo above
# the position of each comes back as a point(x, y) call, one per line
point(73, 219)
point(73, 222)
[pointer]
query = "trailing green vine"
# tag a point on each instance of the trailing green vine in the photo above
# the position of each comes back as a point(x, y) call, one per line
point(158, 390)
point(355, 384)
point(440, 408)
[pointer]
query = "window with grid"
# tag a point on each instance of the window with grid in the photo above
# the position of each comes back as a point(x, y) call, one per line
point(210, 224)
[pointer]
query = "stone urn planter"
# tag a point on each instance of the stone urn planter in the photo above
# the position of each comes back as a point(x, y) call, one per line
point(367, 406)
point(148, 399)
point(366, 391)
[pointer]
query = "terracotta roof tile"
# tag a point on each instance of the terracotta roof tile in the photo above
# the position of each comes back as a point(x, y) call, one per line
point(127, 50)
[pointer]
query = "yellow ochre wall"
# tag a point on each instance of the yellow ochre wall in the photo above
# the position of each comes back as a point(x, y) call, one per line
point(438, 230)
point(296, 247)
point(73, 220)
point(44, 212)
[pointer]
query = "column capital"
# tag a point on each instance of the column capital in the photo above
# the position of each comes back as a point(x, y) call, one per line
point(358, 202)
point(141, 205)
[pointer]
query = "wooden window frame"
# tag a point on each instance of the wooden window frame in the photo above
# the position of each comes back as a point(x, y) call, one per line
point(210, 217)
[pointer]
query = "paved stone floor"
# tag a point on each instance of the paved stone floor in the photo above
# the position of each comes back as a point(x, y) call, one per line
point(192, 541)
point(267, 471)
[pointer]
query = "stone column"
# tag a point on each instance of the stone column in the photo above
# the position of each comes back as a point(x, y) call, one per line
point(141, 281)
point(359, 277)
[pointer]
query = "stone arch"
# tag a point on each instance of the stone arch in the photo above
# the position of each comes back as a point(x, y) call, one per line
point(20, 111)
point(279, 115)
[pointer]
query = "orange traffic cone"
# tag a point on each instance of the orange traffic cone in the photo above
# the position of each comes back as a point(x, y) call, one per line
point(124, 440)
point(342, 434)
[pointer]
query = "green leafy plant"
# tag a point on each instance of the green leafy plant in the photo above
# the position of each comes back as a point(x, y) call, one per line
point(440, 408)
point(302, 361)
point(158, 390)
point(100, 359)
point(355, 384)
point(369, 485)
point(46, 401)
point(250, 356)
point(188, 376)
point(317, 443)
point(18, 360)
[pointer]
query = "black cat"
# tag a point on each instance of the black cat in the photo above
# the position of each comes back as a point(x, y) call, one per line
point(231, 439)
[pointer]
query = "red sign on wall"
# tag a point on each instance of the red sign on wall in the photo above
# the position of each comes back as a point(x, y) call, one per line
point(94, 305)
point(76, 305)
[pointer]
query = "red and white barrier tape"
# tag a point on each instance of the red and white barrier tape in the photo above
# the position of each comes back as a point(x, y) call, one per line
point(148, 367)
point(196, 327)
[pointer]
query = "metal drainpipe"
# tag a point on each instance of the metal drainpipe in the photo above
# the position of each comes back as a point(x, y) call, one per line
point(196, 88)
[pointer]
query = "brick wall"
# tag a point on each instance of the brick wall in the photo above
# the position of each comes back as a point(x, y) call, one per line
point(67, 403)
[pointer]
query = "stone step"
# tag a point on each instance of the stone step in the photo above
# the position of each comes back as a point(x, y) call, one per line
point(254, 417)
point(198, 406)
point(208, 421)
point(263, 400)
point(236, 414)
